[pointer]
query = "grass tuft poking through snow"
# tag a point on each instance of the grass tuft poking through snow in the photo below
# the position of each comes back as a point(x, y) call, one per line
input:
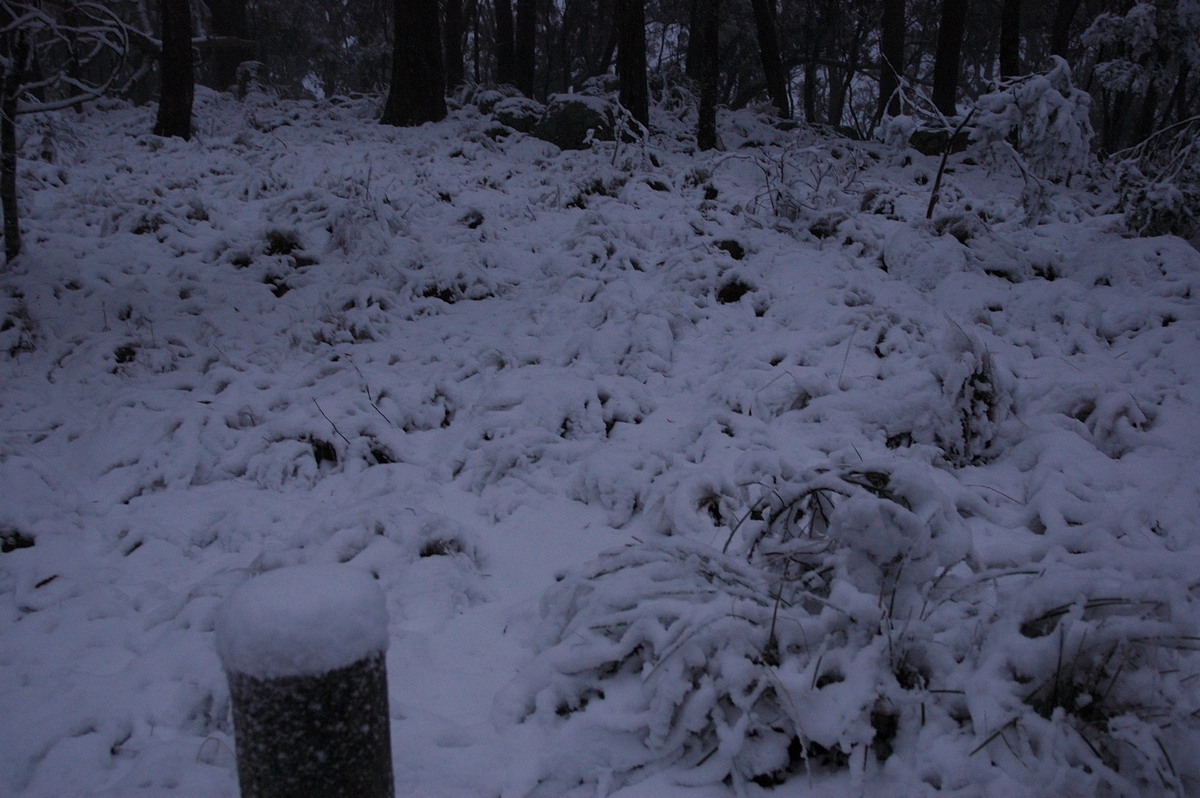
point(681, 474)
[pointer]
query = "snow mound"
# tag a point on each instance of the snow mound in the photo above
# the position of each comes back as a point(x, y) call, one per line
point(302, 621)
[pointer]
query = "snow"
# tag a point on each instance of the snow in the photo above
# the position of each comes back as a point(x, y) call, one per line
point(681, 474)
point(304, 620)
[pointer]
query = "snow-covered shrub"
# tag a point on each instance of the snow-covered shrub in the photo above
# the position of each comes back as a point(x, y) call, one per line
point(605, 85)
point(1048, 116)
point(356, 315)
point(484, 98)
point(896, 131)
point(519, 113)
point(1144, 47)
point(806, 182)
point(251, 82)
point(52, 138)
point(1093, 683)
point(979, 394)
point(660, 644)
point(17, 329)
point(1158, 183)
point(1090, 672)
point(810, 638)
point(674, 107)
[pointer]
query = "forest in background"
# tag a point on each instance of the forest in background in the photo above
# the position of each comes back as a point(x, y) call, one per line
point(822, 61)
point(862, 69)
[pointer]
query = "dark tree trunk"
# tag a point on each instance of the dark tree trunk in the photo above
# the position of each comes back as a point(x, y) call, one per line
point(610, 47)
point(475, 26)
point(552, 68)
point(229, 19)
point(1010, 39)
point(811, 56)
point(945, 65)
point(1177, 102)
point(710, 45)
point(417, 94)
point(176, 70)
point(768, 49)
point(1146, 118)
point(1060, 35)
point(692, 65)
point(891, 47)
point(506, 70)
point(564, 43)
point(523, 52)
point(453, 45)
point(17, 49)
point(810, 89)
point(840, 81)
point(631, 58)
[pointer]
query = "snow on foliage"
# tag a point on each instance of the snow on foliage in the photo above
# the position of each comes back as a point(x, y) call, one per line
point(755, 661)
point(1158, 182)
point(1048, 117)
point(680, 472)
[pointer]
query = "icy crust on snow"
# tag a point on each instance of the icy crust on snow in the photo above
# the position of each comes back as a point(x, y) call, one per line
point(302, 621)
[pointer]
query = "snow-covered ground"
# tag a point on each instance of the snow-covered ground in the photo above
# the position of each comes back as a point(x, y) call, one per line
point(684, 475)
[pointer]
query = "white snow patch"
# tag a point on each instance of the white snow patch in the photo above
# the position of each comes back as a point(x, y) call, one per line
point(301, 621)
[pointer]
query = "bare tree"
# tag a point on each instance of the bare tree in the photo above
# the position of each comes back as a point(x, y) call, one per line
point(891, 50)
point(709, 18)
point(631, 58)
point(694, 55)
point(768, 49)
point(1064, 14)
point(230, 26)
point(177, 72)
point(506, 69)
point(76, 62)
point(418, 90)
point(945, 65)
point(1010, 39)
point(524, 49)
point(453, 46)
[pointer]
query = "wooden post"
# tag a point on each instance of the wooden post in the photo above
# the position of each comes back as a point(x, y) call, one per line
point(303, 649)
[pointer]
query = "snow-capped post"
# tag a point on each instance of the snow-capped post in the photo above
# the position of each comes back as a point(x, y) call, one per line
point(303, 649)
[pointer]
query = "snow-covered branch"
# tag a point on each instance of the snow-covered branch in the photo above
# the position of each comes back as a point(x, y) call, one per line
point(87, 48)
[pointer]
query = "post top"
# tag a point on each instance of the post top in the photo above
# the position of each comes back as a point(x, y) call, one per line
point(302, 621)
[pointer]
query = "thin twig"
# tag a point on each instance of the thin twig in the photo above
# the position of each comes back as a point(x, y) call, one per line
point(992, 736)
point(845, 358)
point(937, 181)
point(327, 418)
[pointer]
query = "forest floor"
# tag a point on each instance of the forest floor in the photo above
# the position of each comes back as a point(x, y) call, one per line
point(684, 474)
